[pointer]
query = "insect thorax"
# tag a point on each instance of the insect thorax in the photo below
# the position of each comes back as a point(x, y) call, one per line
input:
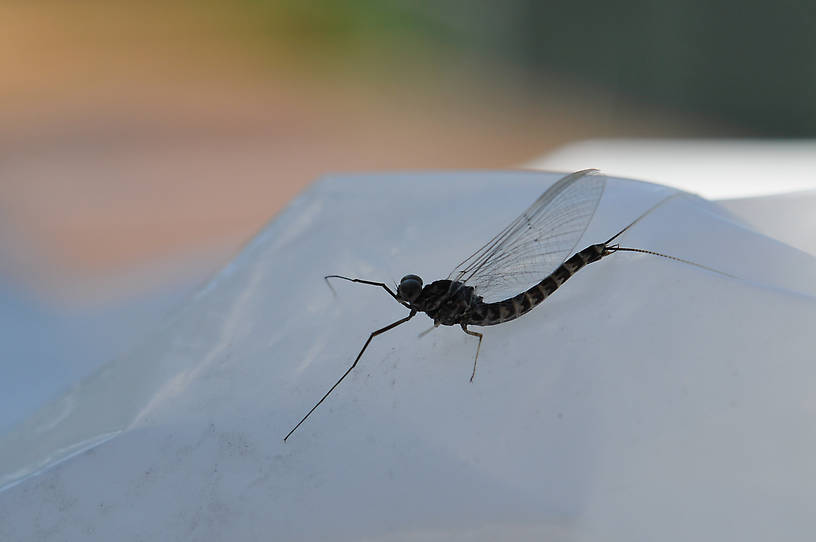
point(447, 302)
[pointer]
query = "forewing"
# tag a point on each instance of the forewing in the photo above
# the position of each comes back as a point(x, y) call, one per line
point(537, 242)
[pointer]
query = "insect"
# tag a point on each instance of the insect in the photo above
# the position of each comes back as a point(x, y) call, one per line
point(534, 245)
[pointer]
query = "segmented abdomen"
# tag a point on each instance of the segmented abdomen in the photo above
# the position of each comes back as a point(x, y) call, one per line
point(488, 314)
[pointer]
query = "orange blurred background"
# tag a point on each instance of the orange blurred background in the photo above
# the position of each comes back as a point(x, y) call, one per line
point(136, 135)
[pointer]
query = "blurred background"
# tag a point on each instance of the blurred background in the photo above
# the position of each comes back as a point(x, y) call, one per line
point(142, 143)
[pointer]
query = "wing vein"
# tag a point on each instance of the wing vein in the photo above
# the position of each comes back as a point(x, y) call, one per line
point(537, 241)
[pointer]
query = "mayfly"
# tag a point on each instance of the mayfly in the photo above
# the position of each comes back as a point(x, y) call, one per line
point(534, 245)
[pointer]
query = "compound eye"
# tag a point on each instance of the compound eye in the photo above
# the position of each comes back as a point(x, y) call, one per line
point(409, 288)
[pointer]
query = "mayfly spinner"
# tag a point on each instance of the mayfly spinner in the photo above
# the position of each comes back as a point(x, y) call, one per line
point(534, 245)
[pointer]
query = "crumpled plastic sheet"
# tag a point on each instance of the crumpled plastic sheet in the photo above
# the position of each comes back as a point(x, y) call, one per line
point(645, 400)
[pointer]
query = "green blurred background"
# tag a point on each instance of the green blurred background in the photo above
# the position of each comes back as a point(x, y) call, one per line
point(749, 64)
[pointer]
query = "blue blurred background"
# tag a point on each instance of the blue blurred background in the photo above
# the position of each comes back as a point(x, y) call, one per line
point(142, 143)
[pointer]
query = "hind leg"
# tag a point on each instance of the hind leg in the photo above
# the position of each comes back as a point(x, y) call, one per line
point(475, 334)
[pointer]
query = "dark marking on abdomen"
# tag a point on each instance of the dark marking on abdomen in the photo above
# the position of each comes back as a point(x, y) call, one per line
point(488, 314)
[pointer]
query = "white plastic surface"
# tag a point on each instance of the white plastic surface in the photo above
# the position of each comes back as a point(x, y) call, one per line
point(645, 400)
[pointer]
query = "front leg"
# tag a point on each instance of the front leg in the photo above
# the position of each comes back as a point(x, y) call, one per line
point(353, 365)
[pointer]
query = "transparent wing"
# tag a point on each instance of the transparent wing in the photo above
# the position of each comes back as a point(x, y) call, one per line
point(535, 243)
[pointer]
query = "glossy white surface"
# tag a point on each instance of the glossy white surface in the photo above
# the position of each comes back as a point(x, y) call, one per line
point(645, 400)
point(790, 218)
point(714, 169)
